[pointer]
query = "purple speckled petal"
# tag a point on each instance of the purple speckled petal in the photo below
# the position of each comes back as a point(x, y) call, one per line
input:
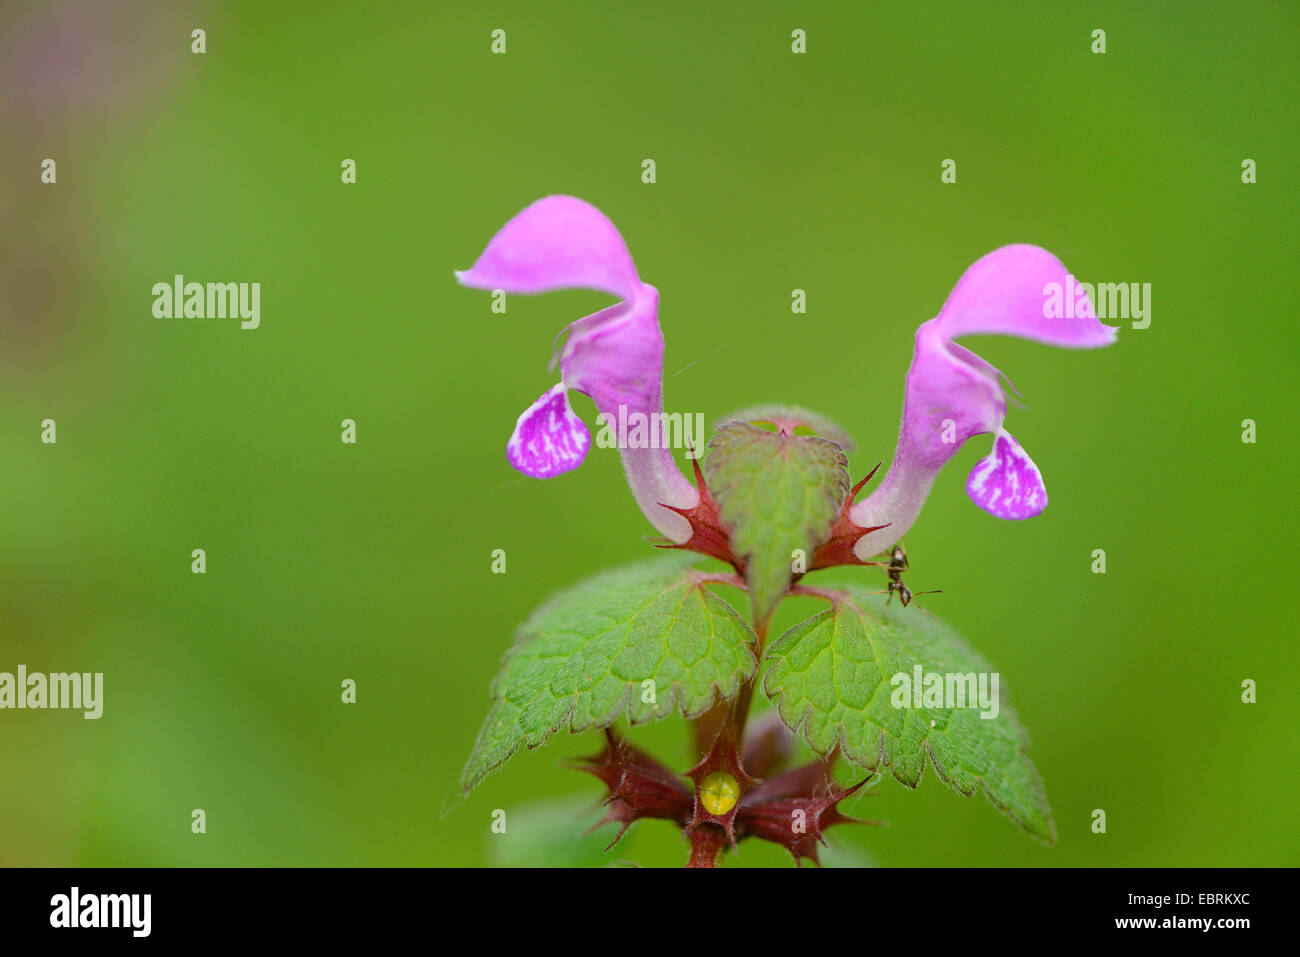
point(1006, 482)
point(615, 355)
point(953, 394)
point(559, 242)
point(548, 438)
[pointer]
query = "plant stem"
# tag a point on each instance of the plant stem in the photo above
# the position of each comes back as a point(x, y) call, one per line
point(740, 712)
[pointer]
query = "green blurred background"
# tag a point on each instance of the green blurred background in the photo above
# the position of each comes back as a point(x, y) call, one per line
point(775, 171)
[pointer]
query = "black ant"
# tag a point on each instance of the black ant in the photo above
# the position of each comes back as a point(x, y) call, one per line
point(894, 568)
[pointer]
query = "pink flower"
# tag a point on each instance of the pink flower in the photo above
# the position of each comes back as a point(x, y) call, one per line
point(615, 356)
point(953, 394)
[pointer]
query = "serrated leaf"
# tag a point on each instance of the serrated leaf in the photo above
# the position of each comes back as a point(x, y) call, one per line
point(581, 660)
point(554, 832)
point(839, 853)
point(777, 493)
point(830, 679)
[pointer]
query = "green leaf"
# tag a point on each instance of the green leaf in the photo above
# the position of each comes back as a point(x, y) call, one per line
point(582, 659)
point(831, 676)
point(777, 492)
point(555, 832)
point(839, 853)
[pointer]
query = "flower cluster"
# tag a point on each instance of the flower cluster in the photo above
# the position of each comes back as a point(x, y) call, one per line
point(615, 356)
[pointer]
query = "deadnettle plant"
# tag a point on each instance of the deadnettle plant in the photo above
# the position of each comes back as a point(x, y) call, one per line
point(870, 686)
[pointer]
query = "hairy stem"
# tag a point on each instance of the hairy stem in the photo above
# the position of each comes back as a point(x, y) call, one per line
point(740, 711)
